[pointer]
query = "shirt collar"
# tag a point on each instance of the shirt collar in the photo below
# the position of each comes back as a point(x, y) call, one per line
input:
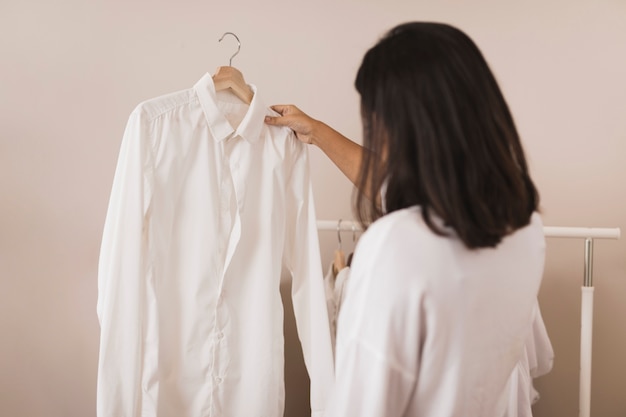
point(249, 128)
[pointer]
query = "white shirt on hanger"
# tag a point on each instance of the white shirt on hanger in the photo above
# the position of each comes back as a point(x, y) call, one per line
point(430, 328)
point(334, 288)
point(208, 204)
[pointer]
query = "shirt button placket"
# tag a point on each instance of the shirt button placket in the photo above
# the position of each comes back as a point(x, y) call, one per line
point(224, 236)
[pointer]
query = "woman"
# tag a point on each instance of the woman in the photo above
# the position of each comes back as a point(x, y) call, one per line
point(444, 281)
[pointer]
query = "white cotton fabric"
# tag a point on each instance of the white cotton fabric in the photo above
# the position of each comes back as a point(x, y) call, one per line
point(430, 328)
point(334, 288)
point(208, 205)
point(537, 360)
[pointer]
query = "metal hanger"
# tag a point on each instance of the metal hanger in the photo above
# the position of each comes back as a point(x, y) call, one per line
point(230, 62)
point(339, 233)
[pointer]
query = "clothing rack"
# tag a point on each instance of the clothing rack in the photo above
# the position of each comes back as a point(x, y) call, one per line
point(586, 314)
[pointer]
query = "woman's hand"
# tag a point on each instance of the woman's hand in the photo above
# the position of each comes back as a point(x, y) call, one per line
point(344, 153)
point(295, 119)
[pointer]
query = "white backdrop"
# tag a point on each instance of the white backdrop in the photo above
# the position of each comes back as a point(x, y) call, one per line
point(72, 71)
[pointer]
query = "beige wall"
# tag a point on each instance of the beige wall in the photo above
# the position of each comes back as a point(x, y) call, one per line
point(71, 72)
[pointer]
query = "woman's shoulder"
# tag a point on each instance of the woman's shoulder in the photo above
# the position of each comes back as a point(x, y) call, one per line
point(395, 241)
point(401, 241)
point(409, 224)
point(397, 228)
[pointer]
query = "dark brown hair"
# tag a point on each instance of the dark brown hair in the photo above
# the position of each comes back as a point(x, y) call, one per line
point(440, 135)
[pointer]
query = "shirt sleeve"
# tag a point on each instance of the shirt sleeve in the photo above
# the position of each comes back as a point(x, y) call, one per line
point(368, 384)
point(539, 347)
point(124, 285)
point(331, 304)
point(302, 258)
point(379, 333)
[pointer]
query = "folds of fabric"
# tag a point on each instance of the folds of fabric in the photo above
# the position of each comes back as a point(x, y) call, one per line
point(208, 205)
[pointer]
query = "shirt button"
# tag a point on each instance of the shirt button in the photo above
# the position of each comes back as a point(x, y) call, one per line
point(218, 380)
point(220, 335)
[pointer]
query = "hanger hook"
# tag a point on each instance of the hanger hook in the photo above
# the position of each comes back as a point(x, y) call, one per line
point(230, 62)
point(339, 233)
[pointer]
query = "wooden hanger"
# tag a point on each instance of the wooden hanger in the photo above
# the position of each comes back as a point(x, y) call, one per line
point(231, 78)
point(340, 258)
point(349, 263)
point(339, 262)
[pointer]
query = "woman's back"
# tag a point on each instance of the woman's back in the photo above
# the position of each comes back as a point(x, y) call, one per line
point(429, 327)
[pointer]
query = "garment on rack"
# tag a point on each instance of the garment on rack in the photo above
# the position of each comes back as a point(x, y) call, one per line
point(430, 328)
point(334, 285)
point(208, 204)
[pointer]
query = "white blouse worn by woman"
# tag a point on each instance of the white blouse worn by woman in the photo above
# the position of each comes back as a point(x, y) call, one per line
point(431, 328)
